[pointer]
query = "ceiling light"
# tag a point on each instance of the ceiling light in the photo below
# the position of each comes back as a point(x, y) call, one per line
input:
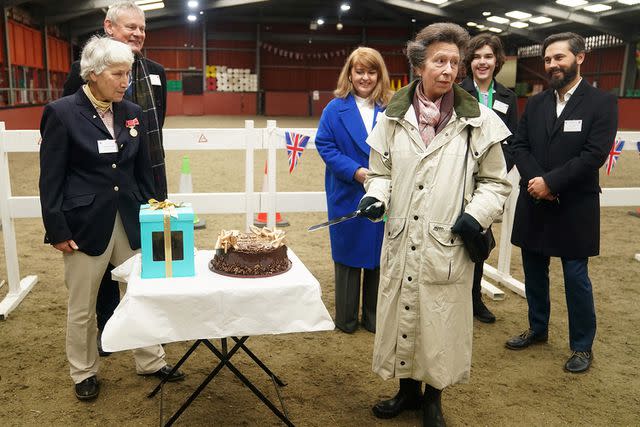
point(413, 20)
point(339, 26)
point(495, 30)
point(191, 18)
point(540, 20)
point(480, 27)
point(519, 24)
point(486, 13)
point(516, 14)
point(435, 1)
point(192, 4)
point(596, 8)
point(471, 24)
point(629, 2)
point(345, 6)
point(152, 6)
point(498, 19)
point(201, 12)
point(320, 21)
point(572, 3)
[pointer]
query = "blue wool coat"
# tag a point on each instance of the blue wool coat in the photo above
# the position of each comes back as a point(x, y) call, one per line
point(341, 142)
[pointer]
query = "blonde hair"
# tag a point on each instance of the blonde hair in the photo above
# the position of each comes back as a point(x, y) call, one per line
point(371, 59)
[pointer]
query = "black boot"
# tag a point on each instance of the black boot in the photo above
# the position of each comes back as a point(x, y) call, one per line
point(409, 397)
point(480, 311)
point(431, 408)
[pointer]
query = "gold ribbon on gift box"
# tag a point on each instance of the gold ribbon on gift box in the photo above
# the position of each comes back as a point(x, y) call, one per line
point(168, 210)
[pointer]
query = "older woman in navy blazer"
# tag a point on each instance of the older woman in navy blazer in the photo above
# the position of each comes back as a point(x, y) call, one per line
point(363, 91)
point(95, 172)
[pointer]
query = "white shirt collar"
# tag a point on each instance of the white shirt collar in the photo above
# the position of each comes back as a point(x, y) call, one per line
point(478, 89)
point(569, 93)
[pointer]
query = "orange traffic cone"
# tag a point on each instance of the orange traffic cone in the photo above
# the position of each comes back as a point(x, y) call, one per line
point(261, 218)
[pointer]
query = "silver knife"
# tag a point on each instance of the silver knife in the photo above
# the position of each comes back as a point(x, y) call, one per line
point(342, 218)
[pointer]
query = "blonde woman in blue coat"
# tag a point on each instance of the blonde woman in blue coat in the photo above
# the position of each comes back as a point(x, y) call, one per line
point(363, 91)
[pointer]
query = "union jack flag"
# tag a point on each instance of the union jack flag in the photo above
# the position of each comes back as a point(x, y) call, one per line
point(616, 150)
point(295, 146)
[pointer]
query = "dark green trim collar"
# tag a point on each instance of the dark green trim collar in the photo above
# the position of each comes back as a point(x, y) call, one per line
point(464, 104)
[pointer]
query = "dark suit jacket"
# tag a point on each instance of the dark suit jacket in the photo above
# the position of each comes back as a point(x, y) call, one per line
point(569, 163)
point(74, 82)
point(510, 118)
point(78, 184)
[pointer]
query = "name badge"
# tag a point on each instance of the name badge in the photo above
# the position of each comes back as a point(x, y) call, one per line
point(572, 125)
point(107, 146)
point(500, 106)
point(155, 79)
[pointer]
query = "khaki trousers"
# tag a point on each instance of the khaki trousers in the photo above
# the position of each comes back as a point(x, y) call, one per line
point(82, 275)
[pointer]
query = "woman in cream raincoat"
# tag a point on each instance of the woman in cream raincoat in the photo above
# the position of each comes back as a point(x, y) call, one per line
point(417, 169)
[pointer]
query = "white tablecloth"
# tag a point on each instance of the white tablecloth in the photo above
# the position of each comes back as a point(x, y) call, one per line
point(210, 305)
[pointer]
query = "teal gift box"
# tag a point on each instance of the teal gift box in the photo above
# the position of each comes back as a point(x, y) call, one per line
point(167, 241)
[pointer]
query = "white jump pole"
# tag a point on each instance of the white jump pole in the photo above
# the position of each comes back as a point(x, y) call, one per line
point(250, 144)
point(18, 289)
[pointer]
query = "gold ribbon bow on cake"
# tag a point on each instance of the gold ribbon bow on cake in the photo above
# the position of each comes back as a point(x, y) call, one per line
point(168, 210)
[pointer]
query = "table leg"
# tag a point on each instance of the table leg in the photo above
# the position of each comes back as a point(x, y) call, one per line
point(245, 380)
point(259, 362)
point(175, 368)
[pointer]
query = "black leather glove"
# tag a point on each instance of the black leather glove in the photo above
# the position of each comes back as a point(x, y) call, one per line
point(371, 208)
point(465, 225)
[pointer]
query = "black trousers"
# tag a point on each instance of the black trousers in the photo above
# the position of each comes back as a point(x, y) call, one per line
point(478, 270)
point(108, 298)
point(347, 297)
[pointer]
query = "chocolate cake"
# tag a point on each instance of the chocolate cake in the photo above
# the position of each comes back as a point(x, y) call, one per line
point(260, 253)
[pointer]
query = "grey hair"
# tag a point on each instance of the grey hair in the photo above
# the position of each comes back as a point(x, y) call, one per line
point(446, 32)
point(103, 52)
point(120, 7)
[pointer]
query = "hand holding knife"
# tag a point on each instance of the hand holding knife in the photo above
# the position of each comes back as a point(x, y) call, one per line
point(370, 211)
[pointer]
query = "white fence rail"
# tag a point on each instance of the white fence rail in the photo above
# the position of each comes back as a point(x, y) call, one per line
point(248, 202)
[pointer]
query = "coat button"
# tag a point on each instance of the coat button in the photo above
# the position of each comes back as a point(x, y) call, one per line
point(413, 248)
point(415, 217)
point(386, 153)
point(420, 187)
point(113, 166)
point(404, 336)
point(116, 188)
point(475, 153)
point(406, 307)
point(453, 240)
point(409, 278)
point(402, 363)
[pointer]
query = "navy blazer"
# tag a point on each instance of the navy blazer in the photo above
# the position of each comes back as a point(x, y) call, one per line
point(568, 156)
point(81, 189)
point(341, 142)
point(510, 118)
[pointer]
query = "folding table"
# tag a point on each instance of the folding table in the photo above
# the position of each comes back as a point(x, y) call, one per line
point(212, 306)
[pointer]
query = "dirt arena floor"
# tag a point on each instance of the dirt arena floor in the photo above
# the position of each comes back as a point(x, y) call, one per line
point(329, 376)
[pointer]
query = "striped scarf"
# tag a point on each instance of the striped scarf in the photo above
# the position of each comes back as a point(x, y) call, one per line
point(142, 94)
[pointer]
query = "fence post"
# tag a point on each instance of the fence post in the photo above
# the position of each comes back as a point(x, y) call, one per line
point(271, 173)
point(248, 175)
point(17, 289)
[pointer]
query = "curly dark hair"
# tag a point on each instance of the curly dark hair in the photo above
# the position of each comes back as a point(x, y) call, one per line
point(447, 32)
point(480, 41)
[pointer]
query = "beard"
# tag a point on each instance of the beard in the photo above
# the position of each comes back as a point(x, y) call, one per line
point(568, 74)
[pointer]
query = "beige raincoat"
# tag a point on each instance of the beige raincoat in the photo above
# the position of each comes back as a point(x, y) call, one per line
point(424, 318)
